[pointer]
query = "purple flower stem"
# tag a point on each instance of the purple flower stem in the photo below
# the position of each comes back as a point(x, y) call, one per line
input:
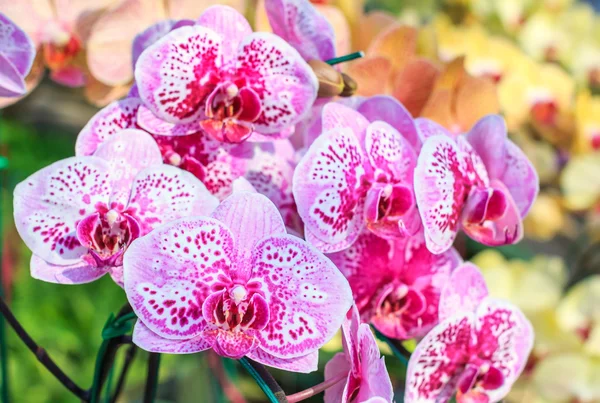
point(315, 390)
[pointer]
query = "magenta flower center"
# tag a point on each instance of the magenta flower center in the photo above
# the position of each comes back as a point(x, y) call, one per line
point(107, 233)
point(236, 308)
point(402, 300)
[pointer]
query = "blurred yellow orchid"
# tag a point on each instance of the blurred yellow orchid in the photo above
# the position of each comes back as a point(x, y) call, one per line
point(587, 115)
point(534, 286)
point(546, 219)
point(580, 182)
point(579, 313)
point(541, 94)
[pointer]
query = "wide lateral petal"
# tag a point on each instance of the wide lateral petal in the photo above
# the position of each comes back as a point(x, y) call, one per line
point(176, 74)
point(303, 27)
point(520, 178)
point(284, 82)
point(328, 186)
point(375, 379)
point(337, 116)
point(307, 295)
point(49, 204)
point(169, 274)
point(163, 193)
point(105, 123)
point(488, 139)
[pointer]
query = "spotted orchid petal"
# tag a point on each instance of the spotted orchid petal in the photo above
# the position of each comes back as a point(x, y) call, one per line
point(428, 128)
point(464, 292)
point(162, 193)
point(478, 353)
point(168, 274)
point(305, 364)
point(436, 362)
point(491, 217)
point(390, 153)
point(229, 24)
point(306, 314)
point(153, 33)
point(389, 110)
point(328, 187)
point(439, 191)
point(49, 204)
point(109, 120)
point(176, 73)
point(77, 273)
point(285, 84)
point(303, 27)
point(128, 152)
point(375, 380)
point(150, 341)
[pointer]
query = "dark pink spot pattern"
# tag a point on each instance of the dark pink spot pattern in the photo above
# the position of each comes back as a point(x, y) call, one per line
point(239, 283)
point(396, 284)
point(477, 354)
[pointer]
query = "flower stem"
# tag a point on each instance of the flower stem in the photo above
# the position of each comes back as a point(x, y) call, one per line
point(129, 356)
point(152, 378)
point(345, 58)
point(232, 393)
point(41, 354)
point(315, 390)
point(265, 380)
point(396, 346)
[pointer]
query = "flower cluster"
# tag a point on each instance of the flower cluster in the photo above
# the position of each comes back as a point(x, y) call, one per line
point(244, 208)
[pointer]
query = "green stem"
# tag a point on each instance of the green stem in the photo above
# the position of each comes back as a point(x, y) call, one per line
point(397, 348)
point(265, 381)
point(152, 378)
point(346, 58)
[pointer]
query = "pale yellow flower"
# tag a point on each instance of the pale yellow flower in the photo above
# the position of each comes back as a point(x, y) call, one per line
point(580, 181)
point(587, 115)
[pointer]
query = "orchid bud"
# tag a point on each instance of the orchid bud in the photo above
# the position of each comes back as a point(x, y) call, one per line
point(331, 82)
point(350, 86)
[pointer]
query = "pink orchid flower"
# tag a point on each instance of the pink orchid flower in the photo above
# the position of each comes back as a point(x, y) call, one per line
point(16, 58)
point(268, 166)
point(480, 182)
point(79, 215)
point(478, 350)
point(355, 175)
point(360, 365)
point(225, 78)
point(396, 283)
point(235, 282)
